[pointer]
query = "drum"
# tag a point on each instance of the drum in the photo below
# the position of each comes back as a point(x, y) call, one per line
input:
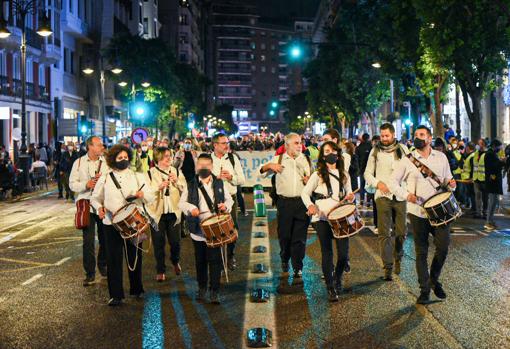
point(219, 230)
point(442, 208)
point(130, 222)
point(345, 221)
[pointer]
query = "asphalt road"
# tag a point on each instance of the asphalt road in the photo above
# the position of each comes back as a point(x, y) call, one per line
point(44, 305)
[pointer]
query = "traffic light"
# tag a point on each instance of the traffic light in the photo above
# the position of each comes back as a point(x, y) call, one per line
point(274, 104)
point(272, 112)
point(83, 126)
point(296, 51)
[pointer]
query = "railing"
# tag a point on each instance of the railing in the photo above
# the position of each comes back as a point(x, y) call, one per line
point(14, 90)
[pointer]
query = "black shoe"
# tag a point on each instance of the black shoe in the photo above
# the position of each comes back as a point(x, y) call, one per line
point(285, 267)
point(347, 268)
point(89, 280)
point(114, 302)
point(102, 271)
point(332, 295)
point(139, 295)
point(424, 298)
point(397, 266)
point(201, 295)
point(438, 291)
point(60, 197)
point(338, 286)
point(232, 263)
point(298, 278)
point(215, 297)
point(387, 275)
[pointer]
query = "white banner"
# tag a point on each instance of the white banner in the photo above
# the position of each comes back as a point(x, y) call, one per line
point(251, 161)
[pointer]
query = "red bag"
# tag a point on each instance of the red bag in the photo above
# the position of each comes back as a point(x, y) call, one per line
point(82, 216)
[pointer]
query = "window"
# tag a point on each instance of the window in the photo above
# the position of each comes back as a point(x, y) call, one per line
point(273, 47)
point(71, 61)
point(263, 69)
point(146, 25)
point(69, 114)
point(2, 64)
point(70, 6)
point(183, 19)
point(262, 46)
point(140, 16)
point(254, 68)
point(66, 59)
point(262, 58)
point(273, 70)
point(30, 70)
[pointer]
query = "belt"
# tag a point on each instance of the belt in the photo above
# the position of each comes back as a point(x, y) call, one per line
point(289, 198)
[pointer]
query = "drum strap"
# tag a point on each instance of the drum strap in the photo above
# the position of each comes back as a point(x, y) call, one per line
point(340, 187)
point(212, 207)
point(426, 172)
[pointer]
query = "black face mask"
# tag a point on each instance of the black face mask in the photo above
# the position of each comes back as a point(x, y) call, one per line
point(122, 165)
point(331, 158)
point(204, 173)
point(419, 143)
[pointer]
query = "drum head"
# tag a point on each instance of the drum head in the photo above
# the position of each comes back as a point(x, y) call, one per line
point(437, 199)
point(214, 219)
point(342, 211)
point(123, 213)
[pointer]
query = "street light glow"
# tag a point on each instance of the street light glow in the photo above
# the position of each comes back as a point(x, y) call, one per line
point(139, 111)
point(271, 113)
point(4, 32)
point(122, 84)
point(295, 52)
point(376, 65)
point(88, 71)
point(146, 84)
point(116, 71)
point(274, 104)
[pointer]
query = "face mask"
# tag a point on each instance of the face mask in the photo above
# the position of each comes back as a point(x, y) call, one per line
point(454, 146)
point(204, 173)
point(477, 147)
point(70, 148)
point(419, 143)
point(149, 144)
point(144, 148)
point(331, 158)
point(122, 164)
point(320, 144)
point(187, 146)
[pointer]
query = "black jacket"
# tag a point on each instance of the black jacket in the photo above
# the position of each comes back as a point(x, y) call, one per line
point(493, 173)
point(363, 151)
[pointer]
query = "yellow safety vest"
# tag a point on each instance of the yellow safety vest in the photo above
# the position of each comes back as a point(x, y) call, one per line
point(458, 157)
point(314, 152)
point(479, 164)
point(466, 169)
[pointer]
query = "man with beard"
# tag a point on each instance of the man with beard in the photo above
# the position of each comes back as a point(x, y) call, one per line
point(391, 210)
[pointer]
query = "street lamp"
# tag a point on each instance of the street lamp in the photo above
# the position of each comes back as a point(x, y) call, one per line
point(122, 84)
point(378, 65)
point(20, 9)
point(145, 84)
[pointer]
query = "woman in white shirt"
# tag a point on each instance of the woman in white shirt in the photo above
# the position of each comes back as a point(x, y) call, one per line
point(329, 185)
point(108, 199)
point(168, 183)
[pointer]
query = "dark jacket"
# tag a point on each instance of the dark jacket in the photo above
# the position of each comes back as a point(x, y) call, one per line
point(363, 151)
point(354, 172)
point(493, 173)
point(66, 161)
point(193, 198)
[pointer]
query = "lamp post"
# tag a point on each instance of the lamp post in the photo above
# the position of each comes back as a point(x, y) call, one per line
point(20, 9)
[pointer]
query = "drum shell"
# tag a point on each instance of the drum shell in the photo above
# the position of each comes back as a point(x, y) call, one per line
point(133, 224)
point(444, 212)
point(219, 233)
point(346, 226)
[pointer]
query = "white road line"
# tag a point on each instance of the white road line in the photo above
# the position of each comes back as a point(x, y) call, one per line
point(32, 219)
point(435, 323)
point(13, 235)
point(32, 279)
point(44, 232)
point(260, 314)
point(464, 234)
point(62, 261)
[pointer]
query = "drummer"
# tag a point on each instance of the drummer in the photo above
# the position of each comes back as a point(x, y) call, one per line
point(328, 186)
point(108, 199)
point(197, 207)
point(168, 183)
point(417, 190)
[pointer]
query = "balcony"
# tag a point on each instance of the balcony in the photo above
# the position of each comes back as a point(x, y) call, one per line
point(73, 25)
point(14, 90)
point(50, 54)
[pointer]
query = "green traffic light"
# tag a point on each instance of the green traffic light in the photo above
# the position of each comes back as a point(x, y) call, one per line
point(296, 52)
point(274, 104)
point(271, 113)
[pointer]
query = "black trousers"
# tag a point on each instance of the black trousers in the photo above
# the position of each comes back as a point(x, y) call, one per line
point(89, 246)
point(232, 246)
point(326, 238)
point(168, 230)
point(240, 199)
point(421, 230)
point(292, 230)
point(208, 264)
point(115, 260)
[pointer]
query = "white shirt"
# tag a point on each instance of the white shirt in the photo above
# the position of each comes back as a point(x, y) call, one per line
point(106, 193)
point(347, 160)
point(382, 168)
point(315, 184)
point(289, 182)
point(205, 213)
point(84, 169)
point(424, 188)
point(237, 172)
point(38, 163)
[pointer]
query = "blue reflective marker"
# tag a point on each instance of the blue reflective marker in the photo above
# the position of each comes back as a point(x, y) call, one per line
point(153, 335)
point(179, 315)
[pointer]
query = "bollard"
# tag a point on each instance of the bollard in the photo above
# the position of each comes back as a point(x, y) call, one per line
point(259, 201)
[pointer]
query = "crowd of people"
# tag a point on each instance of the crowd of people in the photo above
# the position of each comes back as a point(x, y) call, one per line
point(181, 183)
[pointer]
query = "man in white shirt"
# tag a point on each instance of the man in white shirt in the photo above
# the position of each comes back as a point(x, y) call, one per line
point(292, 171)
point(227, 167)
point(83, 178)
point(390, 208)
point(418, 189)
point(197, 208)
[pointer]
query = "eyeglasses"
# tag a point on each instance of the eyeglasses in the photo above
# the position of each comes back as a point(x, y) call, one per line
point(222, 143)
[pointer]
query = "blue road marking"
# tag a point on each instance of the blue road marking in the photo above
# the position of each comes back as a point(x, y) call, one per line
point(153, 335)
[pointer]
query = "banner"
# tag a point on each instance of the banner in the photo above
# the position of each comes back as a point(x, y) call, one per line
point(251, 162)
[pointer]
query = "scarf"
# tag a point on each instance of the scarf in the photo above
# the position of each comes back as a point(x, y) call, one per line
point(394, 147)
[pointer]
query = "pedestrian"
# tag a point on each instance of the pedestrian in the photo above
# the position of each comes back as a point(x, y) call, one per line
point(197, 205)
point(417, 190)
point(328, 185)
point(111, 193)
point(362, 152)
point(467, 177)
point(291, 170)
point(227, 167)
point(391, 209)
point(479, 179)
point(65, 166)
point(186, 158)
point(493, 180)
point(168, 184)
point(85, 173)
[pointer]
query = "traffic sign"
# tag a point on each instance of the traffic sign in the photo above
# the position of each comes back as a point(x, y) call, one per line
point(139, 135)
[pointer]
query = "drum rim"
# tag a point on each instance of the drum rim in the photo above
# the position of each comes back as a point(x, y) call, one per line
point(433, 196)
point(213, 216)
point(122, 208)
point(334, 208)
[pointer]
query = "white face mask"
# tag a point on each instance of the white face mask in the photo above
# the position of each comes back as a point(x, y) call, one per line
point(144, 148)
point(477, 147)
point(149, 144)
point(454, 146)
point(70, 148)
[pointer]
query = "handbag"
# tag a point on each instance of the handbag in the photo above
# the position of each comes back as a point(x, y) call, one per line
point(82, 215)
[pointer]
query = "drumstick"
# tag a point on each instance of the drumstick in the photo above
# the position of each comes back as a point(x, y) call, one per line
point(143, 185)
